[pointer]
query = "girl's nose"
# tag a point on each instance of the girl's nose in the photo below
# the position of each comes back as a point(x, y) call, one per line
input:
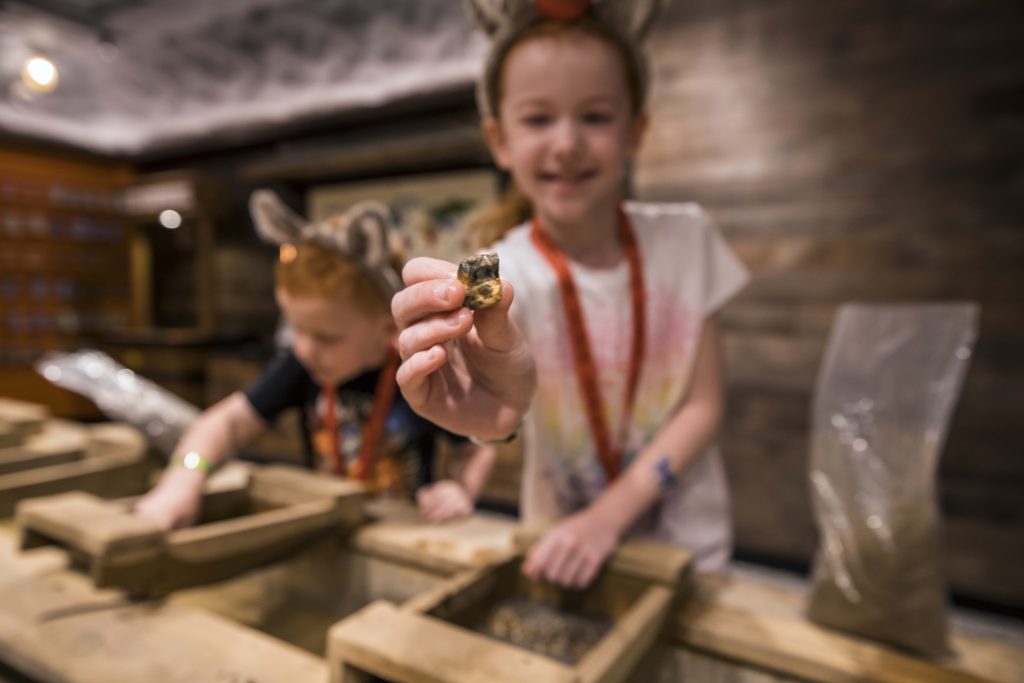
point(567, 137)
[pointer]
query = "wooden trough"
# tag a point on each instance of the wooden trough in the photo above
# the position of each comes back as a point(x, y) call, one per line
point(41, 456)
point(276, 511)
point(20, 419)
point(493, 624)
point(57, 627)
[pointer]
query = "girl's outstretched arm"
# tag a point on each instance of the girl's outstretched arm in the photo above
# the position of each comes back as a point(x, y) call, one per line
point(573, 551)
point(469, 372)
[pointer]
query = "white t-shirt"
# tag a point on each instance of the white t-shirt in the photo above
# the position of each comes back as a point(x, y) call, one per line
point(689, 273)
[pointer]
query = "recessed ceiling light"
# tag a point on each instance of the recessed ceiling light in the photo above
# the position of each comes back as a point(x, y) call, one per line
point(40, 74)
point(170, 219)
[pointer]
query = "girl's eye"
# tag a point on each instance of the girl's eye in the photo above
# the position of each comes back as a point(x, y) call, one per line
point(597, 117)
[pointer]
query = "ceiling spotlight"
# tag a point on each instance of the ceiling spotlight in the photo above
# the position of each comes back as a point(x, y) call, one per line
point(39, 74)
point(170, 219)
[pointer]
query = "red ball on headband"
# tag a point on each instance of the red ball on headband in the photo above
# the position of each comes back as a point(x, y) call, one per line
point(561, 10)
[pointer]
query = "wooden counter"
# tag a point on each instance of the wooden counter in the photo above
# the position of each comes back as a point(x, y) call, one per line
point(57, 628)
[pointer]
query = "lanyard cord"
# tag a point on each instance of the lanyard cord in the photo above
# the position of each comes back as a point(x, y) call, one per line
point(383, 398)
point(586, 368)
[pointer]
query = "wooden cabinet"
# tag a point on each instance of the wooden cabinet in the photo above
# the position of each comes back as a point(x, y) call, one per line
point(64, 266)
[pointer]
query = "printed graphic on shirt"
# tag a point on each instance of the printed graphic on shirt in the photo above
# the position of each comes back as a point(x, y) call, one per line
point(577, 476)
point(689, 273)
point(395, 468)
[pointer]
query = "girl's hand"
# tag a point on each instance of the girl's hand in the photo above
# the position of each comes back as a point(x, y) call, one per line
point(572, 553)
point(444, 501)
point(471, 373)
point(175, 501)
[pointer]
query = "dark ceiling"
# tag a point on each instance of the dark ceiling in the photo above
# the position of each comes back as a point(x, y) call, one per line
point(139, 75)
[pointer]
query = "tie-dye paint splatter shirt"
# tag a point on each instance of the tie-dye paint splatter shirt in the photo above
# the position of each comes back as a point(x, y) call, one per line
point(689, 273)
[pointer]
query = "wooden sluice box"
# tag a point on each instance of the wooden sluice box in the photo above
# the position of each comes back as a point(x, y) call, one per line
point(41, 456)
point(276, 511)
point(493, 624)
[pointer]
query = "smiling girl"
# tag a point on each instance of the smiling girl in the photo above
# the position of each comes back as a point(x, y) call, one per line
point(610, 353)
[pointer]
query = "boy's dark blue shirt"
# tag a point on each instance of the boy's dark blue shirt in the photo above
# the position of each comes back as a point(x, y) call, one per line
point(405, 455)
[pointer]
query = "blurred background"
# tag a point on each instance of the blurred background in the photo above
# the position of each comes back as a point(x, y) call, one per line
point(850, 151)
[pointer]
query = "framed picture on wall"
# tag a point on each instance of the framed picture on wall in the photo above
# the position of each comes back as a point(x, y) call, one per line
point(430, 209)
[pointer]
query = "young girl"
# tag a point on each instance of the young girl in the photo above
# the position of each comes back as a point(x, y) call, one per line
point(335, 280)
point(615, 303)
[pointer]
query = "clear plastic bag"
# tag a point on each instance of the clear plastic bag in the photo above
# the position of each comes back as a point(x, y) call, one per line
point(887, 387)
point(121, 394)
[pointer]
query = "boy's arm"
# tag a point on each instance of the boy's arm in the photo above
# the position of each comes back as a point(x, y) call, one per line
point(455, 497)
point(572, 552)
point(213, 438)
point(471, 466)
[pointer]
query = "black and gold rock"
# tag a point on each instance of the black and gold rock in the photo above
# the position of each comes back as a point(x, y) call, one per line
point(479, 275)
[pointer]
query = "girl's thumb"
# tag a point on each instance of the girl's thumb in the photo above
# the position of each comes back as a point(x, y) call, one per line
point(494, 325)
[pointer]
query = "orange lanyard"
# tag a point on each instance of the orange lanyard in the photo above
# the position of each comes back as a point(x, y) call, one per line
point(586, 368)
point(383, 398)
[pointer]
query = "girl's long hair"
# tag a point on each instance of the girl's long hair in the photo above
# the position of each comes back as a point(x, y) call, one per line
point(489, 225)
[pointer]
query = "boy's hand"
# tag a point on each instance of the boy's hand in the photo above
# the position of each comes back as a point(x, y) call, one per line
point(444, 501)
point(572, 553)
point(471, 373)
point(175, 501)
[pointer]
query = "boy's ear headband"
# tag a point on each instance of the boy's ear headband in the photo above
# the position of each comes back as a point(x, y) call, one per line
point(505, 20)
point(360, 234)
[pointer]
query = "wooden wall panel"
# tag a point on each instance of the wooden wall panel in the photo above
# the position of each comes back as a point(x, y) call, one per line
point(856, 151)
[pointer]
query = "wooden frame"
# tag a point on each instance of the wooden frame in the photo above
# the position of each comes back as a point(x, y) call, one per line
point(427, 639)
point(107, 460)
point(58, 442)
point(279, 509)
point(20, 419)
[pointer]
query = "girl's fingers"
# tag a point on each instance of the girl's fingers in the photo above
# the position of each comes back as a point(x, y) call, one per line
point(544, 559)
point(494, 326)
point(584, 574)
point(417, 301)
point(434, 330)
point(535, 560)
point(413, 375)
point(562, 566)
point(424, 268)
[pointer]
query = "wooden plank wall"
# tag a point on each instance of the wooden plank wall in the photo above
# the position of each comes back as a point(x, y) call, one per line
point(856, 151)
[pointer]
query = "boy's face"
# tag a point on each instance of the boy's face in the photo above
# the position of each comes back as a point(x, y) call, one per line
point(566, 128)
point(334, 340)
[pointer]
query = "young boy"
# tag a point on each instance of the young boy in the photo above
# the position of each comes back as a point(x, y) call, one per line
point(334, 283)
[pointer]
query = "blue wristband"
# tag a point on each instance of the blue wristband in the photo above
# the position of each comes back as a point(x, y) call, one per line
point(663, 470)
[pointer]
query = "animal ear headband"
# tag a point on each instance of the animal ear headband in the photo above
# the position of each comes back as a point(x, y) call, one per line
point(360, 234)
point(505, 20)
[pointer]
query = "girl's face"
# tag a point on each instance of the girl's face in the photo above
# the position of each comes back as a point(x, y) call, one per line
point(334, 340)
point(565, 128)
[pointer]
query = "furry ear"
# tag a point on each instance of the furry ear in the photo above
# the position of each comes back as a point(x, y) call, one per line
point(367, 233)
point(633, 18)
point(495, 16)
point(363, 233)
point(489, 14)
point(275, 222)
